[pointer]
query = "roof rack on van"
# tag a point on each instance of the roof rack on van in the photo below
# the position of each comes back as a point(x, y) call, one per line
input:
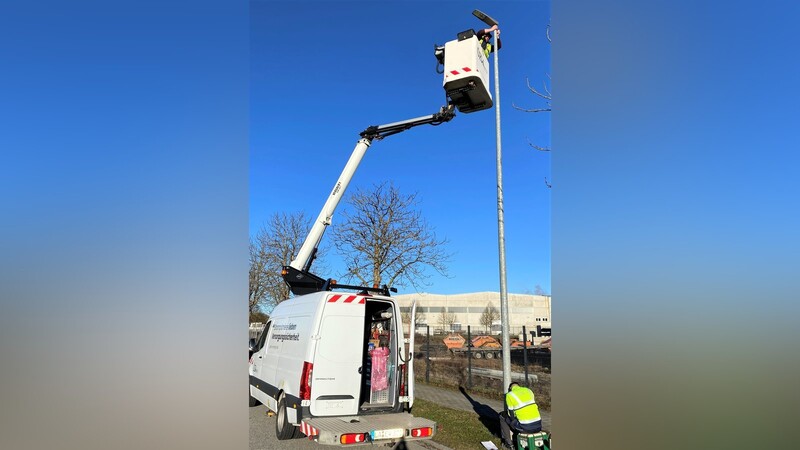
point(304, 282)
point(383, 290)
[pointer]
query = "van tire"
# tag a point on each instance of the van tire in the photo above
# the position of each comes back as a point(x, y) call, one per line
point(283, 429)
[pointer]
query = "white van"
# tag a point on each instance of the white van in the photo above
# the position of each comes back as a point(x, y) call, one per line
point(335, 367)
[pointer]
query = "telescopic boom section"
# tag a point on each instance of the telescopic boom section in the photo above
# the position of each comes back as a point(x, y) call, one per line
point(297, 274)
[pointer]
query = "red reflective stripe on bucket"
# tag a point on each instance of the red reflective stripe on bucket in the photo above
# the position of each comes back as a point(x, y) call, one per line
point(466, 69)
point(454, 72)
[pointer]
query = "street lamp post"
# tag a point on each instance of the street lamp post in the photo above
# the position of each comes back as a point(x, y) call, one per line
point(501, 237)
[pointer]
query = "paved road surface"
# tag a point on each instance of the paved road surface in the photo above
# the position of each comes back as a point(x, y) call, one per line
point(262, 436)
point(262, 428)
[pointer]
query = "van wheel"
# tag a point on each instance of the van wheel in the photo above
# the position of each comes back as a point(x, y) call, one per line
point(283, 429)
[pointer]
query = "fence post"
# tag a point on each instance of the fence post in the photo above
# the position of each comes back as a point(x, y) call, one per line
point(525, 352)
point(469, 355)
point(428, 355)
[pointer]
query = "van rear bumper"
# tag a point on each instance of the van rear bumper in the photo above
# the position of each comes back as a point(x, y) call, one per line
point(328, 430)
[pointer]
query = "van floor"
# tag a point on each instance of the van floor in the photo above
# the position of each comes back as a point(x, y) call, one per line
point(368, 405)
point(370, 408)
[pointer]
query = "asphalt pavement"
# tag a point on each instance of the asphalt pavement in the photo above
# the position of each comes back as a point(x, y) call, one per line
point(262, 436)
point(262, 427)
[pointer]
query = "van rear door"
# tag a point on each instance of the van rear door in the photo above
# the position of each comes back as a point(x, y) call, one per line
point(336, 377)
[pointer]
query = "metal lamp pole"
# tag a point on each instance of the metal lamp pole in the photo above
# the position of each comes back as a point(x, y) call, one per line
point(501, 237)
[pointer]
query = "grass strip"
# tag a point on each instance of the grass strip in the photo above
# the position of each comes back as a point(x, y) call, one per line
point(459, 430)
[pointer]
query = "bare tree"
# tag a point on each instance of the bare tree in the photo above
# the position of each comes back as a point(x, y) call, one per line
point(258, 316)
point(384, 239)
point(489, 315)
point(545, 97)
point(446, 319)
point(539, 291)
point(258, 279)
point(273, 247)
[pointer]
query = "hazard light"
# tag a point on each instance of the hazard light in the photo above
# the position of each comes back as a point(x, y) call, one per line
point(305, 381)
point(353, 438)
point(421, 432)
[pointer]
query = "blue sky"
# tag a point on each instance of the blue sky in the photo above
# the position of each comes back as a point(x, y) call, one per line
point(124, 161)
point(321, 72)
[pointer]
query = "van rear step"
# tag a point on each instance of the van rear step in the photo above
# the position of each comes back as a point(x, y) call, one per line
point(382, 428)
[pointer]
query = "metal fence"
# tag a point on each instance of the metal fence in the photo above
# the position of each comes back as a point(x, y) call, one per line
point(526, 356)
point(538, 330)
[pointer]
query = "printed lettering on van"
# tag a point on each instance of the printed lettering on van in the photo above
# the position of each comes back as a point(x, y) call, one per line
point(286, 337)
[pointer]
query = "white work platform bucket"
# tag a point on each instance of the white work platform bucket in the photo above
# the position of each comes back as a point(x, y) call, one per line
point(466, 75)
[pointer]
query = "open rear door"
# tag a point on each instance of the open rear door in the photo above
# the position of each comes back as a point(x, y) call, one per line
point(336, 379)
point(413, 332)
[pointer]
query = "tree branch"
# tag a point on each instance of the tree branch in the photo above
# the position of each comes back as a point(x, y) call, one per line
point(534, 110)
point(536, 147)
point(533, 89)
point(386, 240)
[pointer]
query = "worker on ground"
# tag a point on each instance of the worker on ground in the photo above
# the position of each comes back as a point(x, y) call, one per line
point(485, 38)
point(521, 414)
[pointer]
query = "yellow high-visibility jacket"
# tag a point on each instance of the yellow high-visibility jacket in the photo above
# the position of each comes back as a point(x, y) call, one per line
point(487, 48)
point(522, 405)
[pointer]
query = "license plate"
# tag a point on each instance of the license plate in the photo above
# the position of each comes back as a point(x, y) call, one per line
point(388, 434)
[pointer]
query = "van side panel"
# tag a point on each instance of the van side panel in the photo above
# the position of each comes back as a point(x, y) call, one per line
point(292, 333)
point(287, 347)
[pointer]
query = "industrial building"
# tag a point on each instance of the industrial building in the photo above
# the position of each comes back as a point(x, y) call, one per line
point(524, 310)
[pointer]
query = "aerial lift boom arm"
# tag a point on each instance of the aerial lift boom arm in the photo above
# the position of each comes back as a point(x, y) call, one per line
point(297, 274)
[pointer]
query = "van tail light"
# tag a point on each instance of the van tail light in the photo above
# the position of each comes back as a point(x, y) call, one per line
point(421, 432)
point(305, 381)
point(353, 438)
point(403, 380)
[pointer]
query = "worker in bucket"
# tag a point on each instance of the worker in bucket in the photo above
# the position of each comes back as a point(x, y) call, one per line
point(521, 414)
point(485, 38)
